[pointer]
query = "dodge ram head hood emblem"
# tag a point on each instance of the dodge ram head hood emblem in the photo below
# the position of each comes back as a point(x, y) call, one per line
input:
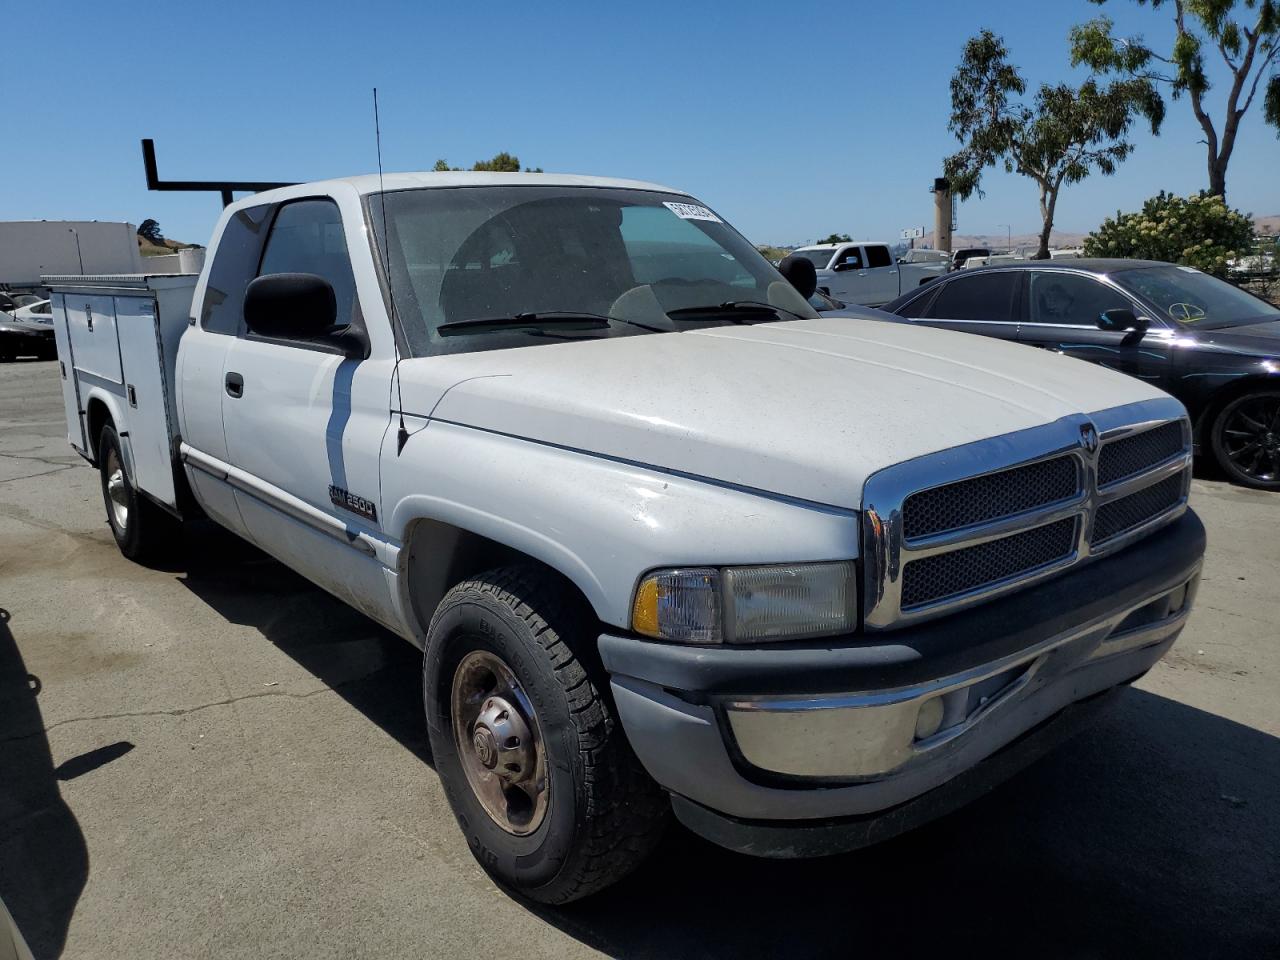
point(1089, 437)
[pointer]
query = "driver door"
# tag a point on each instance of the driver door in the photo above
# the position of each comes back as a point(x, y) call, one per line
point(304, 424)
point(849, 275)
point(1061, 310)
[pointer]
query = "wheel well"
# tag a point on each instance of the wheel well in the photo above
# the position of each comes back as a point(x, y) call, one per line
point(96, 417)
point(439, 556)
point(1234, 389)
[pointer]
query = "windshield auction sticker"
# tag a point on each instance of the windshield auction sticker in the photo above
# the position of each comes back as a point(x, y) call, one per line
point(691, 211)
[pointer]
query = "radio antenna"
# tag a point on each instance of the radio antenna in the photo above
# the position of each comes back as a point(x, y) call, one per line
point(402, 435)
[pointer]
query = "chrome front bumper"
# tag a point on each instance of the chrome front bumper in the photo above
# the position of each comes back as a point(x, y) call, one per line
point(874, 734)
point(809, 733)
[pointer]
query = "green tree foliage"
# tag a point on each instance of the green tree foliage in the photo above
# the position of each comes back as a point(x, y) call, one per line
point(1059, 137)
point(500, 163)
point(149, 231)
point(772, 254)
point(1199, 231)
point(1245, 34)
point(836, 238)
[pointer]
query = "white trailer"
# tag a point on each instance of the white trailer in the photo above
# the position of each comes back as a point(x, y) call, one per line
point(31, 249)
point(117, 339)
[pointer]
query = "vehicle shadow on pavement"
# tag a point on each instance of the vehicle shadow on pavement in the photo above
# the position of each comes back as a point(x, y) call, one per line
point(368, 666)
point(1155, 833)
point(44, 861)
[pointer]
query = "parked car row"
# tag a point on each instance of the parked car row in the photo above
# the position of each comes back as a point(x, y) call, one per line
point(26, 327)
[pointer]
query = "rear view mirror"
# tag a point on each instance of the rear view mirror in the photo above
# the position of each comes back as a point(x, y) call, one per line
point(800, 273)
point(292, 305)
point(1120, 319)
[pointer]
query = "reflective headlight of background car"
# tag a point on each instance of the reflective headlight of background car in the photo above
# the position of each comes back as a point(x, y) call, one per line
point(756, 604)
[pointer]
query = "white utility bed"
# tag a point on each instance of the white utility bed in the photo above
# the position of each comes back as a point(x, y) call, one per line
point(117, 339)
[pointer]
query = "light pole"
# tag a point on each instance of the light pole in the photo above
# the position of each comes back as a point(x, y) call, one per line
point(79, 256)
point(1008, 235)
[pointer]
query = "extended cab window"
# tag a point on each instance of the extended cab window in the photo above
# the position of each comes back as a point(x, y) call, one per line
point(307, 237)
point(983, 296)
point(234, 263)
point(879, 257)
point(1069, 298)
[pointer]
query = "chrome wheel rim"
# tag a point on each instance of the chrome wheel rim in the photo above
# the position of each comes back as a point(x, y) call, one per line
point(1251, 438)
point(499, 743)
point(117, 494)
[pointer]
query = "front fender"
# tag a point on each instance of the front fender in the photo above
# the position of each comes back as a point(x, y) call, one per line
point(599, 522)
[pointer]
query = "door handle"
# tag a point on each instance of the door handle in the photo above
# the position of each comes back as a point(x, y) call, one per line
point(235, 385)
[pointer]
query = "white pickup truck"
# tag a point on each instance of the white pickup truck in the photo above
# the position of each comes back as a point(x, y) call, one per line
point(866, 272)
point(668, 540)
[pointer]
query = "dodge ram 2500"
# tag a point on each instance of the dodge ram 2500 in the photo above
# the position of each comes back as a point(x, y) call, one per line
point(668, 540)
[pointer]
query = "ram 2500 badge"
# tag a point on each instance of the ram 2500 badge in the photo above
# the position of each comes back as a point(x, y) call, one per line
point(668, 540)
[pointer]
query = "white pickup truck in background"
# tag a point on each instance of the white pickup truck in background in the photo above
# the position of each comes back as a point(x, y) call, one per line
point(866, 273)
point(669, 541)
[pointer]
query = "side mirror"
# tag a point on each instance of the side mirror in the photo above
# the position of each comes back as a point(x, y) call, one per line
point(800, 273)
point(846, 265)
point(293, 305)
point(1119, 319)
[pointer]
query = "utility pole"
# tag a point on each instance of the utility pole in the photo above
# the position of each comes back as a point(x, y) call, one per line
point(1008, 236)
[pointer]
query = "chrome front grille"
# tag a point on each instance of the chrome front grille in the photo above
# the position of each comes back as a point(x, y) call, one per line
point(1120, 516)
point(947, 574)
point(1006, 493)
point(1140, 452)
point(946, 530)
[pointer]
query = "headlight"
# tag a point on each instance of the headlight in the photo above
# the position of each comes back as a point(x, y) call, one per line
point(747, 604)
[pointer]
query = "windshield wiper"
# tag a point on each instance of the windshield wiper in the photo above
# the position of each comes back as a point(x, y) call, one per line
point(731, 307)
point(542, 318)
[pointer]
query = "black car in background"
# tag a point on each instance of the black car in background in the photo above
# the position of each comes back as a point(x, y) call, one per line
point(1210, 344)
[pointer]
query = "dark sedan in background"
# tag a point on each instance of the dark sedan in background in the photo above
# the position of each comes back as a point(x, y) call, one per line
point(1210, 344)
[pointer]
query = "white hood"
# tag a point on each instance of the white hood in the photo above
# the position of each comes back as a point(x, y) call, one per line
point(806, 409)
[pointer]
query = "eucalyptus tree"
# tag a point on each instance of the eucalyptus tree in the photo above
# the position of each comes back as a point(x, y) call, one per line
point(1057, 137)
point(1245, 34)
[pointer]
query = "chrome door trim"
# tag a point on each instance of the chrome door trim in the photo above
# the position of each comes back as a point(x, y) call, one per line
point(278, 499)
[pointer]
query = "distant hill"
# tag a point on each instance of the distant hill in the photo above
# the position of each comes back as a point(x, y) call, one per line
point(1058, 238)
point(149, 249)
point(1268, 226)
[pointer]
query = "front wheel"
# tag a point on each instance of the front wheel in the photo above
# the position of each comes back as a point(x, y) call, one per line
point(1246, 439)
point(552, 800)
point(142, 530)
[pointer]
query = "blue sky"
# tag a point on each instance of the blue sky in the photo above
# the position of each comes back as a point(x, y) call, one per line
point(792, 120)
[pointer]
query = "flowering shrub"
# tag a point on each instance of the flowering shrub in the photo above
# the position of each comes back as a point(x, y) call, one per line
point(1199, 231)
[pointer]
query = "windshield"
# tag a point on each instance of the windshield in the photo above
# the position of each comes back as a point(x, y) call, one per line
point(626, 259)
point(819, 258)
point(1190, 297)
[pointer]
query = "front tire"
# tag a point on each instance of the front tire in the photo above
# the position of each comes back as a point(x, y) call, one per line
point(142, 530)
point(552, 801)
point(1245, 437)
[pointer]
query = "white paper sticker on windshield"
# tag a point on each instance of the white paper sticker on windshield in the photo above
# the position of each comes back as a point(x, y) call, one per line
point(691, 211)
